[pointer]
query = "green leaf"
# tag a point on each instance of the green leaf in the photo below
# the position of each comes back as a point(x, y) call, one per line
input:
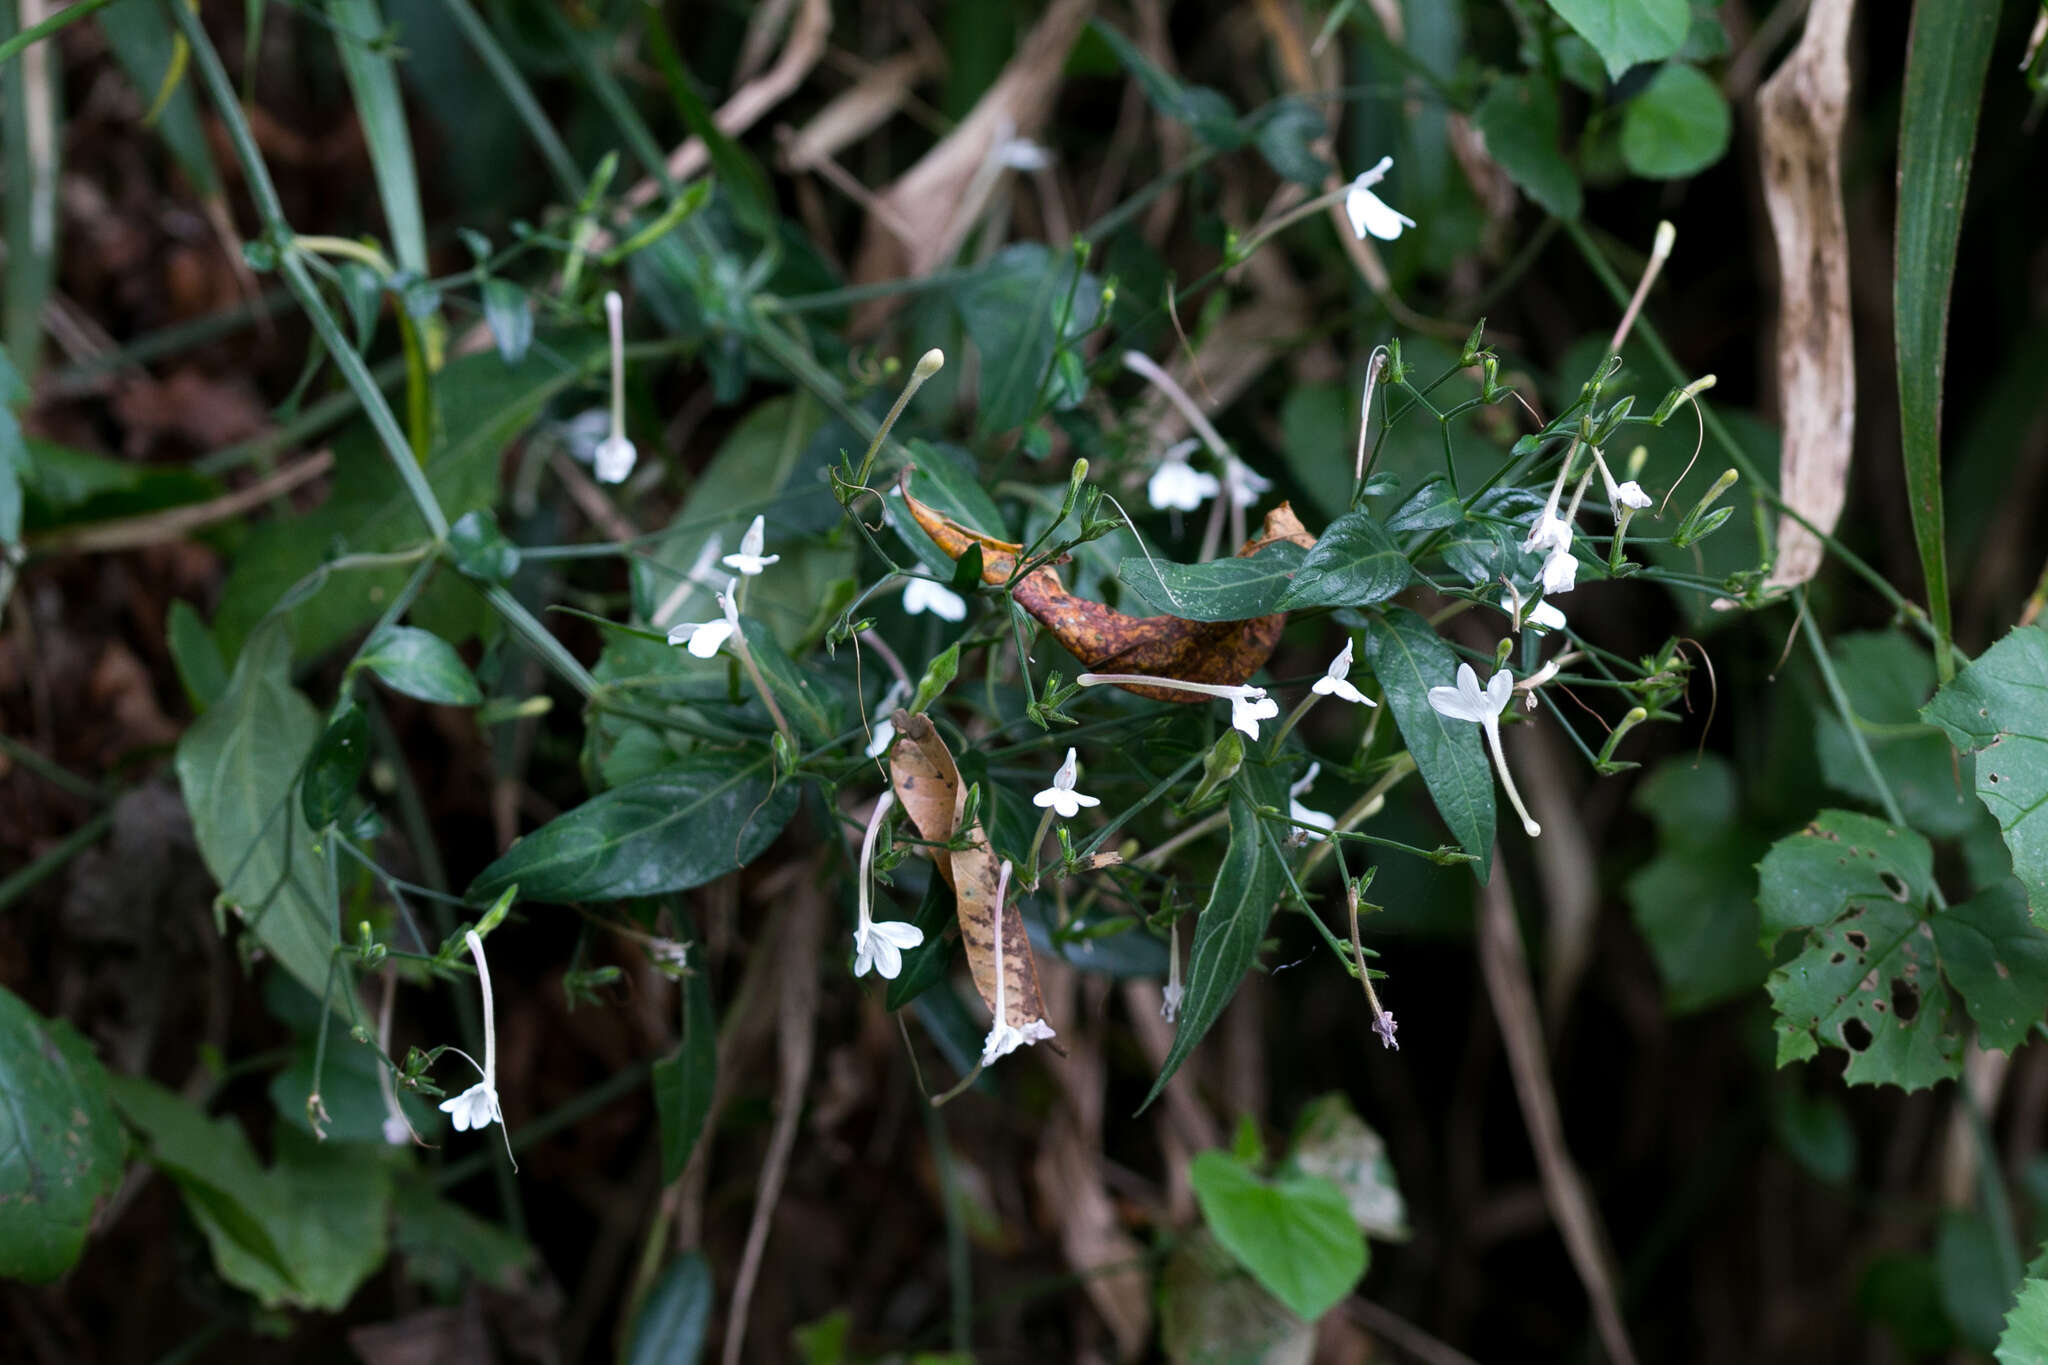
point(1206, 111)
point(1354, 563)
point(60, 1144)
point(1974, 1290)
point(926, 965)
point(1227, 934)
point(305, 1232)
point(1212, 1312)
point(1286, 136)
point(201, 670)
point(509, 314)
point(1331, 1141)
point(1012, 309)
point(1867, 980)
point(1947, 55)
point(807, 698)
point(1818, 1134)
point(1294, 1234)
point(1887, 676)
point(14, 462)
point(686, 825)
point(1998, 962)
point(2025, 1339)
point(359, 35)
point(1408, 659)
point(442, 1241)
point(335, 766)
point(1625, 32)
point(479, 550)
point(947, 479)
point(1997, 709)
point(1695, 902)
point(1519, 120)
point(236, 766)
point(683, 1081)
point(420, 664)
point(1233, 589)
point(1678, 126)
point(670, 1327)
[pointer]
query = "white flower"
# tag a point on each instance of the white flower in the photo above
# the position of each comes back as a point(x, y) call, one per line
point(583, 433)
point(1170, 998)
point(884, 727)
point(1630, 494)
point(477, 1107)
point(612, 460)
point(1550, 532)
point(1178, 485)
point(1337, 681)
point(1467, 702)
point(1061, 796)
point(1003, 1036)
point(1242, 484)
point(1368, 212)
point(397, 1131)
point(880, 943)
point(1248, 705)
point(1560, 571)
point(927, 594)
point(1303, 815)
point(1022, 154)
point(1540, 618)
point(748, 558)
point(704, 638)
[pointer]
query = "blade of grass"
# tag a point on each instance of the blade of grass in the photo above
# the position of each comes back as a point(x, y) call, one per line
point(35, 33)
point(1948, 53)
point(485, 44)
point(30, 107)
point(359, 34)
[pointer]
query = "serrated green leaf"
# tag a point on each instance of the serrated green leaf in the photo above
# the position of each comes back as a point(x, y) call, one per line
point(1227, 934)
point(1294, 1234)
point(420, 664)
point(1354, 563)
point(1808, 878)
point(1408, 658)
point(1997, 709)
point(1233, 589)
point(1625, 32)
point(1678, 126)
point(684, 1080)
point(236, 766)
point(682, 827)
point(60, 1144)
point(1997, 960)
point(1868, 984)
point(2025, 1338)
point(1519, 120)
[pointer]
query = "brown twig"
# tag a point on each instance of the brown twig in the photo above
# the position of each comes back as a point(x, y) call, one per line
point(154, 528)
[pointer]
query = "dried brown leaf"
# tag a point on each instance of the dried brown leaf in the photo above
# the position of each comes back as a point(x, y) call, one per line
point(978, 880)
point(1803, 108)
point(926, 782)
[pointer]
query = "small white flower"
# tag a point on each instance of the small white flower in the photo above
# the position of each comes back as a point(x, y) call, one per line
point(1560, 572)
point(1003, 1036)
point(1303, 815)
point(927, 594)
point(476, 1107)
point(1242, 484)
point(1540, 618)
point(397, 1132)
point(1061, 796)
point(582, 434)
point(880, 944)
point(705, 638)
point(1249, 706)
point(1169, 1000)
point(1384, 1026)
point(1173, 994)
point(612, 459)
point(1631, 494)
point(884, 726)
point(1368, 212)
point(1467, 701)
point(1178, 485)
point(884, 736)
point(1022, 154)
point(748, 559)
point(1337, 681)
point(1550, 532)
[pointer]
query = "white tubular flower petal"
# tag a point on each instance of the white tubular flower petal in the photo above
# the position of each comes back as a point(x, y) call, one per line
point(613, 458)
point(1061, 796)
point(1560, 572)
point(1243, 483)
point(748, 559)
point(880, 944)
point(1483, 707)
point(1544, 616)
point(1368, 212)
point(1550, 532)
point(1336, 680)
point(1250, 707)
point(884, 736)
point(1631, 494)
point(924, 594)
point(702, 637)
point(1178, 485)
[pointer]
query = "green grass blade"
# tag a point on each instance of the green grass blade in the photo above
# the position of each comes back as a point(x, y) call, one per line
point(31, 106)
point(359, 32)
point(1948, 53)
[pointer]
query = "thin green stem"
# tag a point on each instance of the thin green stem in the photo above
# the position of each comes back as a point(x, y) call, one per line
point(85, 836)
point(35, 33)
point(535, 119)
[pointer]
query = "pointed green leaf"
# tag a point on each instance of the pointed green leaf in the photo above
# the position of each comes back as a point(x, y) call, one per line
point(1354, 563)
point(1625, 32)
point(1233, 589)
point(60, 1144)
point(672, 1322)
point(1408, 659)
point(1997, 709)
point(1294, 1234)
point(359, 35)
point(1012, 308)
point(683, 1081)
point(1519, 120)
point(420, 664)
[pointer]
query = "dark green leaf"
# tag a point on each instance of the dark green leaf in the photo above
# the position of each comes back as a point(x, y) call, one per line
point(13, 464)
point(1227, 934)
point(1997, 708)
point(1408, 659)
point(1695, 901)
point(1204, 110)
point(420, 664)
point(1232, 589)
point(1294, 1234)
point(442, 1241)
point(1887, 676)
point(1974, 1290)
point(947, 479)
point(358, 27)
point(1678, 125)
point(682, 827)
point(335, 766)
point(684, 1080)
point(1998, 962)
point(808, 698)
point(1625, 32)
point(1818, 1134)
point(479, 549)
point(671, 1324)
point(201, 670)
point(60, 1144)
point(1431, 507)
point(1012, 310)
point(1286, 138)
point(236, 766)
point(926, 965)
point(1353, 564)
point(1842, 857)
point(1947, 55)
point(510, 315)
point(1519, 120)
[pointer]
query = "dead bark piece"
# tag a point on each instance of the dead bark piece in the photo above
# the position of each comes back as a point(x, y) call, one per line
point(1106, 640)
point(1803, 107)
point(926, 782)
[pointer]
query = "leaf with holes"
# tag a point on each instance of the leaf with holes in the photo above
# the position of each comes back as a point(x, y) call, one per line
point(1868, 979)
point(1995, 957)
point(1997, 709)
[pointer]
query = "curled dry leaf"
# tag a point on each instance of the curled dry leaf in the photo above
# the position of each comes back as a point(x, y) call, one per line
point(1108, 641)
point(928, 784)
point(1803, 106)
